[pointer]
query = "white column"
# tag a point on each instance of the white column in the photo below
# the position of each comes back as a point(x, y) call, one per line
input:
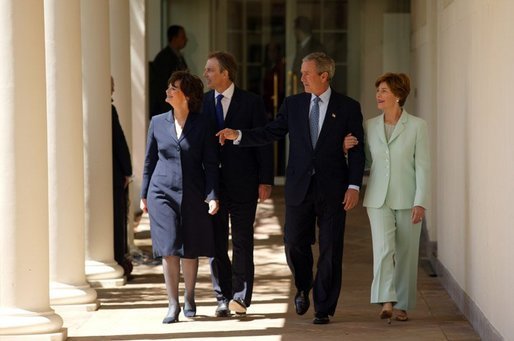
point(101, 269)
point(139, 74)
point(120, 69)
point(68, 285)
point(25, 312)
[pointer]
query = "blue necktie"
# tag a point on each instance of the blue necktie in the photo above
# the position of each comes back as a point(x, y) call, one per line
point(314, 120)
point(219, 112)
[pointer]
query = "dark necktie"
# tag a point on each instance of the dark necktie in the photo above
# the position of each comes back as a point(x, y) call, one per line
point(219, 112)
point(314, 121)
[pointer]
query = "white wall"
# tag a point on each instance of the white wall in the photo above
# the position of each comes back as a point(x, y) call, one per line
point(194, 16)
point(474, 156)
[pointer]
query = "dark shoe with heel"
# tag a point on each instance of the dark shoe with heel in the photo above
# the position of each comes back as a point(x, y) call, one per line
point(189, 308)
point(171, 317)
point(301, 302)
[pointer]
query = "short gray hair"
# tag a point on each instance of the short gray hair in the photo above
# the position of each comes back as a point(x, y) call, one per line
point(323, 63)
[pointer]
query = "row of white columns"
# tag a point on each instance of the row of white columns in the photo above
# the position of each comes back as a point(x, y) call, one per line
point(56, 236)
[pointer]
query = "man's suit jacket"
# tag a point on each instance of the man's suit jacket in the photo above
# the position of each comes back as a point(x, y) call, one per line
point(333, 171)
point(165, 63)
point(243, 169)
point(400, 168)
point(121, 164)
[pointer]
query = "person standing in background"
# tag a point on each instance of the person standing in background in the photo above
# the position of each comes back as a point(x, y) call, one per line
point(305, 43)
point(121, 177)
point(167, 61)
point(397, 195)
point(246, 174)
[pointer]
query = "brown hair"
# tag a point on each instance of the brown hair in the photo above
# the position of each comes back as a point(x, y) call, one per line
point(226, 62)
point(399, 83)
point(191, 86)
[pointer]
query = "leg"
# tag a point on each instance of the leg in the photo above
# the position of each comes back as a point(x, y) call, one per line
point(221, 268)
point(406, 259)
point(171, 271)
point(383, 229)
point(190, 271)
point(327, 284)
point(242, 217)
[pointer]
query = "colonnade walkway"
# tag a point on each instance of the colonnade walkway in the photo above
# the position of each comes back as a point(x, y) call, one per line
point(135, 311)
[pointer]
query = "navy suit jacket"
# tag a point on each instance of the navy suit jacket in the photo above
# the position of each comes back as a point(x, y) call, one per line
point(243, 169)
point(333, 171)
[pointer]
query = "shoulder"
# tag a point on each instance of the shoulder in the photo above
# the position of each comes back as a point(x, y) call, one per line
point(238, 92)
point(414, 120)
point(209, 95)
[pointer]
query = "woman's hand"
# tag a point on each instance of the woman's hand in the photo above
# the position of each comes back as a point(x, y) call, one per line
point(144, 207)
point(350, 141)
point(418, 213)
point(214, 206)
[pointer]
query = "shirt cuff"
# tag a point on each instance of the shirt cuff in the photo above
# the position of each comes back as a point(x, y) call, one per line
point(238, 140)
point(355, 187)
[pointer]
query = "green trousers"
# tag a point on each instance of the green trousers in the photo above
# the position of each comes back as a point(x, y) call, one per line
point(395, 257)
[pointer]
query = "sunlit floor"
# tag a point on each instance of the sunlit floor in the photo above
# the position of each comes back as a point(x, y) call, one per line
point(135, 311)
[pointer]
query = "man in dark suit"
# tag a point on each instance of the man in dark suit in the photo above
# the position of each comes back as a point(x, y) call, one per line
point(121, 174)
point(305, 43)
point(245, 175)
point(321, 184)
point(167, 61)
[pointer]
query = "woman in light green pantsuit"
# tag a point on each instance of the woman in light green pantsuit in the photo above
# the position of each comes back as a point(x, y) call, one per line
point(397, 195)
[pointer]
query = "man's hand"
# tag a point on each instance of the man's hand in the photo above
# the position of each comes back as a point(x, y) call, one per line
point(144, 206)
point(264, 192)
point(214, 206)
point(227, 134)
point(351, 198)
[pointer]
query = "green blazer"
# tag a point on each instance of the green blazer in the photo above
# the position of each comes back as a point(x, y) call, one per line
point(400, 168)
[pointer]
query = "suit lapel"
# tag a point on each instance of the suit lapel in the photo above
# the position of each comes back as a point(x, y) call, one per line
point(400, 127)
point(380, 132)
point(189, 124)
point(171, 126)
point(232, 108)
point(330, 119)
point(305, 107)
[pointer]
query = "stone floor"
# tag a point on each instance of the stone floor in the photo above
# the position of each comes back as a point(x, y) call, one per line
point(135, 311)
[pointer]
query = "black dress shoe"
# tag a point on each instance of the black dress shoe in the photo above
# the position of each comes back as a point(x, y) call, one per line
point(222, 309)
point(301, 302)
point(237, 305)
point(321, 318)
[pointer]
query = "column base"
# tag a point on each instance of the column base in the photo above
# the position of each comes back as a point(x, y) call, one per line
point(15, 321)
point(62, 294)
point(57, 336)
point(108, 283)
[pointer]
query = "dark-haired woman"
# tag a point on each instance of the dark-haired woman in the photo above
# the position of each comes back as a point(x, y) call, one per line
point(179, 188)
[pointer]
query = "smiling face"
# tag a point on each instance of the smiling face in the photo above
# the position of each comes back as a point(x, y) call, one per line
point(314, 82)
point(386, 99)
point(174, 96)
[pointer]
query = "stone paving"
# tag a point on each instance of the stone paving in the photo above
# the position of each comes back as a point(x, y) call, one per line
point(135, 311)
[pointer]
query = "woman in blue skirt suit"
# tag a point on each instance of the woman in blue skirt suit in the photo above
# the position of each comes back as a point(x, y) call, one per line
point(179, 188)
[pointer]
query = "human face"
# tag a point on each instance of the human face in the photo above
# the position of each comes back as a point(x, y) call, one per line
point(181, 39)
point(386, 100)
point(314, 82)
point(174, 96)
point(215, 79)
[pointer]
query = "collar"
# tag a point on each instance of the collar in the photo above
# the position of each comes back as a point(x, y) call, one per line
point(228, 93)
point(324, 96)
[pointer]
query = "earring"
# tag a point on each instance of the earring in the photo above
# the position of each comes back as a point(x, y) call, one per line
point(397, 100)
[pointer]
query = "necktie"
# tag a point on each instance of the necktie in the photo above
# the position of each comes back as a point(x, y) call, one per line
point(314, 120)
point(219, 112)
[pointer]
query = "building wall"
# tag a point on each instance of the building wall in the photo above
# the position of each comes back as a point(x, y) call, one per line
point(467, 100)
